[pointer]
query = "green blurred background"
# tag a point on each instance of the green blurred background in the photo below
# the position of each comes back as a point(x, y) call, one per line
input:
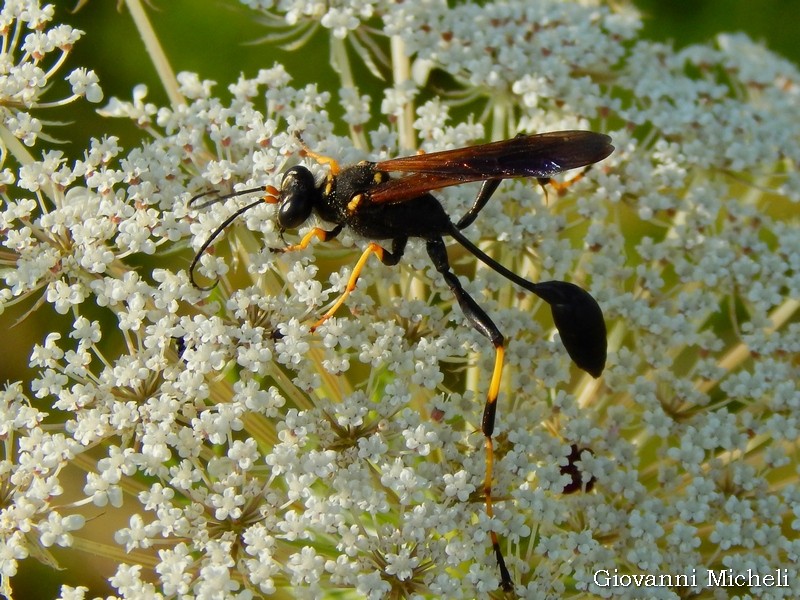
point(212, 38)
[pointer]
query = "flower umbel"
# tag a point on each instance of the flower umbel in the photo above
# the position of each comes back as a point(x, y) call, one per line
point(231, 452)
point(33, 54)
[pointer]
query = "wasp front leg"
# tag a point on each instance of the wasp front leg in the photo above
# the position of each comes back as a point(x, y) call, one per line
point(317, 232)
point(332, 163)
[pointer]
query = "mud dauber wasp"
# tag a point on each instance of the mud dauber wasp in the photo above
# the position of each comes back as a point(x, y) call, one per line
point(376, 206)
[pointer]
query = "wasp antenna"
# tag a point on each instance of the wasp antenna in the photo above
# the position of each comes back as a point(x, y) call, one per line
point(197, 197)
point(269, 192)
point(211, 239)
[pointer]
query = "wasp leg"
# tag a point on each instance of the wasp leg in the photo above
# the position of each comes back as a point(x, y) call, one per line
point(318, 232)
point(320, 158)
point(487, 189)
point(490, 185)
point(479, 320)
point(332, 163)
point(388, 258)
point(576, 314)
point(561, 187)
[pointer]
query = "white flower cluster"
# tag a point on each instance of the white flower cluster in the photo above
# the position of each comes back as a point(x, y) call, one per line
point(249, 456)
point(339, 16)
point(32, 56)
point(541, 50)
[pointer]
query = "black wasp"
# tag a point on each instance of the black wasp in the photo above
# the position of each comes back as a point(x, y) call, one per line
point(376, 206)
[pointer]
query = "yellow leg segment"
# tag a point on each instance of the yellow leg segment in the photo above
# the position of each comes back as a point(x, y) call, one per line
point(317, 232)
point(559, 187)
point(332, 163)
point(488, 428)
point(372, 248)
point(497, 373)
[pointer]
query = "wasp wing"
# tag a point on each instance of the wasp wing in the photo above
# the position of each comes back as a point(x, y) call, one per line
point(539, 155)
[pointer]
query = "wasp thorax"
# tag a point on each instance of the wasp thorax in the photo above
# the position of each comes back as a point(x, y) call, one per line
point(297, 197)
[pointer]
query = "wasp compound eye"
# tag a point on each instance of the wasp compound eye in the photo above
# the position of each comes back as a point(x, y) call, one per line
point(297, 197)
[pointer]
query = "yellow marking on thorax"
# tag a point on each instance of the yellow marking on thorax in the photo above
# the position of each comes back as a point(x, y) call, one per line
point(352, 206)
point(329, 180)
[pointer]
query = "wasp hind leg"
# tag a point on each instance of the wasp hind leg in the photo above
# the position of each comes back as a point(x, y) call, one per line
point(386, 257)
point(561, 187)
point(481, 322)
